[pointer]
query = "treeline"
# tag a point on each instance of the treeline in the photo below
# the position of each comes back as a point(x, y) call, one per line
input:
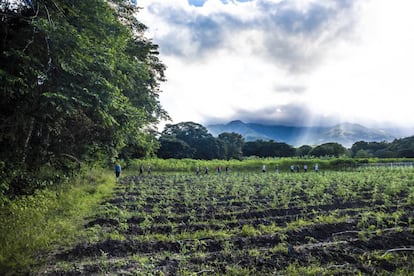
point(192, 140)
point(79, 84)
point(399, 148)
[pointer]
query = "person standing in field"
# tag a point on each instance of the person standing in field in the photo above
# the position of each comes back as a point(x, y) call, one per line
point(206, 170)
point(219, 170)
point(305, 168)
point(277, 169)
point(117, 171)
point(227, 170)
point(264, 168)
point(141, 169)
point(197, 170)
point(291, 168)
point(297, 168)
point(149, 169)
point(316, 167)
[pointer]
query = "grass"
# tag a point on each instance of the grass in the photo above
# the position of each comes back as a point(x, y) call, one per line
point(31, 226)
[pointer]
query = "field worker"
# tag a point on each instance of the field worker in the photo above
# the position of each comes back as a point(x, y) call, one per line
point(292, 168)
point(219, 170)
point(149, 169)
point(277, 169)
point(264, 168)
point(316, 167)
point(206, 170)
point(305, 168)
point(297, 168)
point(141, 169)
point(117, 171)
point(227, 169)
point(197, 170)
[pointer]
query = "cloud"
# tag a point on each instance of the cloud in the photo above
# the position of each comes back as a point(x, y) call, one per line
point(296, 89)
point(294, 114)
point(299, 37)
point(294, 36)
point(285, 60)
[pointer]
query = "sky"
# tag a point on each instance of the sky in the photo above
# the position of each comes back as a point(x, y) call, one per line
point(291, 62)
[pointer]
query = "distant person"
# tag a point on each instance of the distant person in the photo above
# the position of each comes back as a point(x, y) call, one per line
point(292, 168)
point(141, 170)
point(277, 169)
point(227, 169)
point(149, 169)
point(219, 170)
point(117, 171)
point(206, 170)
point(297, 168)
point(305, 168)
point(316, 167)
point(197, 170)
point(264, 168)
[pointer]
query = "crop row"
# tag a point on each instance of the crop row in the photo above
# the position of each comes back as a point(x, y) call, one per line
point(241, 224)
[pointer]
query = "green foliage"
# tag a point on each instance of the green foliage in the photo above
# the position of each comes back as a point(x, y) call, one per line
point(262, 148)
point(79, 82)
point(232, 145)
point(253, 164)
point(399, 148)
point(50, 218)
point(303, 150)
point(188, 140)
point(328, 149)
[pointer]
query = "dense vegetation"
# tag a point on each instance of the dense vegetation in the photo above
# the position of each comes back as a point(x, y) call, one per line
point(79, 83)
point(192, 140)
point(398, 148)
point(33, 226)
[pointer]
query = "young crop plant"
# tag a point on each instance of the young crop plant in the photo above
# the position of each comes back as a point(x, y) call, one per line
point(249, 230)
point(250, 223)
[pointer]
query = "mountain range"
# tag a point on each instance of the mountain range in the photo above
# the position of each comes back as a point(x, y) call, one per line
point(344, 133)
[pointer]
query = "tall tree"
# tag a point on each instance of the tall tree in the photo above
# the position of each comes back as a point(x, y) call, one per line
point(78, 81)
point(204, 145)
point(328, 149)
point(270, 148)
point(232, 145)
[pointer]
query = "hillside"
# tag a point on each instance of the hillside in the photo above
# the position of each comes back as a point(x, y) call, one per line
point(345, 133)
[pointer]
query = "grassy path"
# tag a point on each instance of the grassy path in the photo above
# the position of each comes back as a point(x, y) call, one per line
point(33, 226)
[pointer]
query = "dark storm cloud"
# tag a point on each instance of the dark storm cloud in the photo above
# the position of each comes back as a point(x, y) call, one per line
point(288, 115)
point(294, 39)
point(291, 115)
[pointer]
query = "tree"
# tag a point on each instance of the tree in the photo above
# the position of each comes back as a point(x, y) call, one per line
point(303, 150)
point(270, 148)
point(79, 82)
point(328, 149)
point(370, 147)
point(232, 145)
point(171, 147)
point(403, 147)
point(204, 145)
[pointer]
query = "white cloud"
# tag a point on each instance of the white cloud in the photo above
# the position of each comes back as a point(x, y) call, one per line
point(346, 60)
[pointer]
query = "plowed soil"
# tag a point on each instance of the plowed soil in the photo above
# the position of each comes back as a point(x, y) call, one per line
point(215, 225)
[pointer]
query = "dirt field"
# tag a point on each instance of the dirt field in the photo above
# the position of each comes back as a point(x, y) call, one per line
point(336, 223)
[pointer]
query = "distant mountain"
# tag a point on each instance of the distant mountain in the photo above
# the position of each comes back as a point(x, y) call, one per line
point(345, 133)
